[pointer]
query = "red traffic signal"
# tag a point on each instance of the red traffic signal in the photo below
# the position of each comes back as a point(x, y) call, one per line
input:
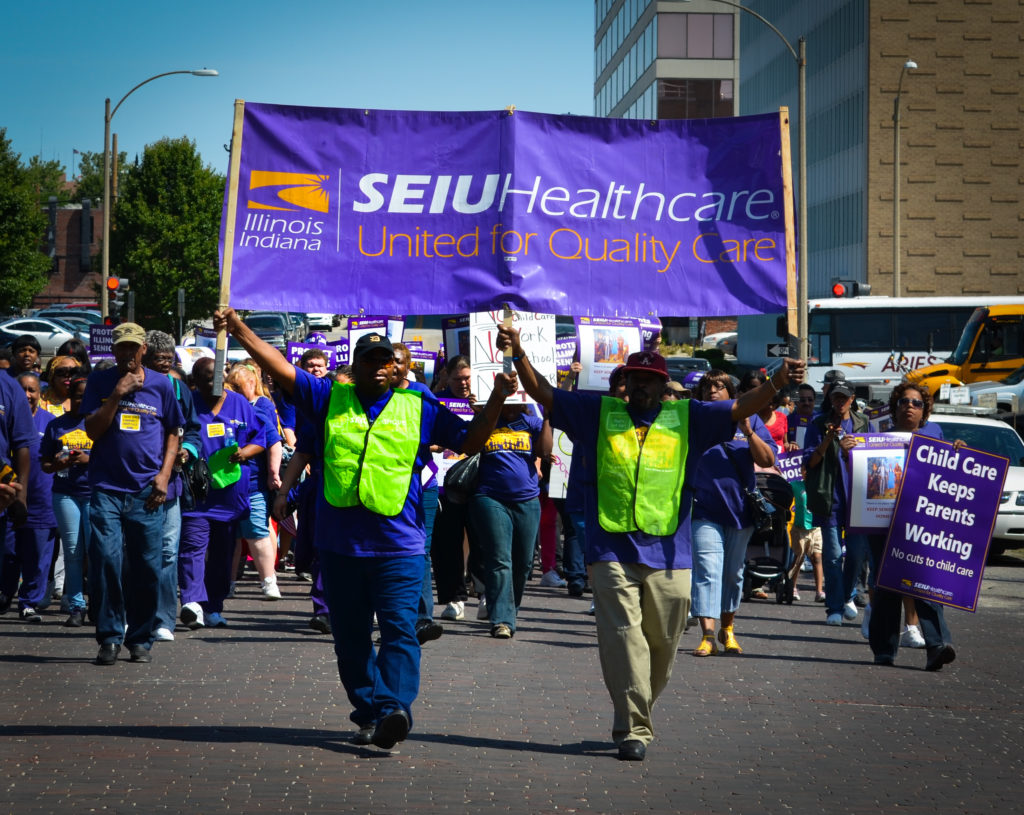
point(113, 283)
point(839, 289)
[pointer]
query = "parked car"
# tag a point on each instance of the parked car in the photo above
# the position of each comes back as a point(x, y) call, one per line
point(727, 345)
point(271, 327)
point(1009, 393)
point(994, 436)
point(687, 370)
point(712, 340)
point(51, 333)
point(299, 324)
point(75, 316)
point(319, 321)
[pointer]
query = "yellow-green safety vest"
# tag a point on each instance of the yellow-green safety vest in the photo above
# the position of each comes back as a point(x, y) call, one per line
point(640, 488)
point(370, 465)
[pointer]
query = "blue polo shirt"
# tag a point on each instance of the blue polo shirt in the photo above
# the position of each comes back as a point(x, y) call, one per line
point(578, 414)
point(356, 531)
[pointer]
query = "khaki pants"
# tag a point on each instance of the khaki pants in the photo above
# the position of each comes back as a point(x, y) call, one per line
point(641, 613)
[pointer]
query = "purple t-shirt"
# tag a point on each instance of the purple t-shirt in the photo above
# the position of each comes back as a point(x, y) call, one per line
point(507, 471)
point(578, 414)
point(356, 531)
point(38, 496)
point(68, 431)
point(17, 430)
point(128, 456)
point(236, 423)
point(717, 489)
point(266, 415)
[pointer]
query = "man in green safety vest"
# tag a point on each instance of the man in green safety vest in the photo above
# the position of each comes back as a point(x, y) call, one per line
point(637, 455)
point(374, 442)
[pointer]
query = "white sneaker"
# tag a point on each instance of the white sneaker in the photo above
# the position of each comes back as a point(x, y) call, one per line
point(455, 610)
point(192, 615)
point(270, 589)
point(864, 630)
point(911, 637)
point(850, 610)
point(163, 635)
point(552, 580)
point(482, 613)
point(590, 611)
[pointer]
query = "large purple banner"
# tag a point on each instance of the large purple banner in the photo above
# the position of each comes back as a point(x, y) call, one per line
point(942, 524)
point(377, 211)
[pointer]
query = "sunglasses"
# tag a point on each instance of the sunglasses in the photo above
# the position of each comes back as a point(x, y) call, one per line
point(63, 371)
point(906, 400)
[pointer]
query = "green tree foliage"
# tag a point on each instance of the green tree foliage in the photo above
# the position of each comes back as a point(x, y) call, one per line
point(23, 267)
point(46, 178)
point(90, 176)
point(165, 231)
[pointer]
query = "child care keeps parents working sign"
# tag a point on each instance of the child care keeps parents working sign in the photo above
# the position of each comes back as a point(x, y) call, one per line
point(942, 523)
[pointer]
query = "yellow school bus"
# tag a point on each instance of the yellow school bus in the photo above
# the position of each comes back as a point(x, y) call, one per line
point(990, 348)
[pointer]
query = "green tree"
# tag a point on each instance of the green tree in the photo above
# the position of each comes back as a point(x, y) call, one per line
point(46, 178)
point(90, 176)
point(165, 231)
point(23, 267)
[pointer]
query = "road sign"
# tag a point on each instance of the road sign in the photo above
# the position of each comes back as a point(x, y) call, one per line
point(777, 349)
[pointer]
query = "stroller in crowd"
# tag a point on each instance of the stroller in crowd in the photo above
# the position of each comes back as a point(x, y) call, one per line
point(769, 556)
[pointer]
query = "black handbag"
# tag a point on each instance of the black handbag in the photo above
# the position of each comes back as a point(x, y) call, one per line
point(760, 508)
point(195, 482)
point(461, 479)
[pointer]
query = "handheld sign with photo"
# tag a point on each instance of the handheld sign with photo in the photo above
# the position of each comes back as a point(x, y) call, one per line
point(942, 525)
point(876, 470)
point(604, 343)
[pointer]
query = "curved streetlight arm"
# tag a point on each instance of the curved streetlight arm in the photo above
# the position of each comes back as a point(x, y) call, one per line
point(108, 114)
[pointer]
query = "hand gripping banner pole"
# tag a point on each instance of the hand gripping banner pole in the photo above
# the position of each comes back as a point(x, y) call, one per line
point(229, 244)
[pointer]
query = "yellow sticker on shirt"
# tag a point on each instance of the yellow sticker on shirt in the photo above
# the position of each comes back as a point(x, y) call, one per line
point(215, 430)
point(131, 422)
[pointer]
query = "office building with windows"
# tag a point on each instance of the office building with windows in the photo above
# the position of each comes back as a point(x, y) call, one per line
point(961, 112)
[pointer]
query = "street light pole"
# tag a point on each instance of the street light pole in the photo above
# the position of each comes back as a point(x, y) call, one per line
point(908, 65)
point(801, 118)
point(108, 114)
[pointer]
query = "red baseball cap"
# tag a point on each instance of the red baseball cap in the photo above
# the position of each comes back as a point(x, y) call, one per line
point(648, 362)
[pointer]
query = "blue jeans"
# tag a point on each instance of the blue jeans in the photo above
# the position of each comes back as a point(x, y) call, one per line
point(72, 513)
point(857, 552)
point(573, 562)
point(426, 607)
point(719, 555)
point(167, 597)
point(124, 565)
point(507, 531)
point(836, 592)
point(33, 549)
point(377, 682)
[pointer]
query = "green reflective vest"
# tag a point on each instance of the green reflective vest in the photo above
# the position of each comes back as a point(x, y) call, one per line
point(370, 464)
point(640, 488)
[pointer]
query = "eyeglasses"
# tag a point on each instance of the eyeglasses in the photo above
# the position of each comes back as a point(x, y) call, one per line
point(717, 386)
point(906, 400)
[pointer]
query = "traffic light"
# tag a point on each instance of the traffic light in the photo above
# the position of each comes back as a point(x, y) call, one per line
point(117, 288)
point(850, 288)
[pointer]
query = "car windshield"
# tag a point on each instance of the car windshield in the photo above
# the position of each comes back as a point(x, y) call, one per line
point(963, 348)
point(265, 322)
point(995, 440)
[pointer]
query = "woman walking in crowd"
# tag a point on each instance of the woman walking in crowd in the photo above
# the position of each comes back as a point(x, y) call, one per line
point(64, 453)
point(58, 375)
point(264, 480)
point(505, 511)
point(910, 407)
point(721, 520)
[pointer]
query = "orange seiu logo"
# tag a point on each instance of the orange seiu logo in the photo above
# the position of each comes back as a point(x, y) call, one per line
point(288, 192)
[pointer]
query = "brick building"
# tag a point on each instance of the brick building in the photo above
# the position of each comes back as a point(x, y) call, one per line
point(75, 275)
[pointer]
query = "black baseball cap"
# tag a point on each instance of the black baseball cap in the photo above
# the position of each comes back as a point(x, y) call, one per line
point(372, 342)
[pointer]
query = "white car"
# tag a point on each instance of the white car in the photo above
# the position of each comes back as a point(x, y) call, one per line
point(50, 333)
point(713, 340)
point(996, 437)
point(320, 321)
point(1009, 393)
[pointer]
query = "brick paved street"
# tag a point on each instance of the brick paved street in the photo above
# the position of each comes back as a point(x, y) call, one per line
point(252, 719)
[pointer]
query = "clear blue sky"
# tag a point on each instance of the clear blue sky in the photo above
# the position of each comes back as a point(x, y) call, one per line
point(61, 59)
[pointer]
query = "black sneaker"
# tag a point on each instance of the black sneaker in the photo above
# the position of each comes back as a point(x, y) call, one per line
point(392, 729)
point(140, 653)
point(938, 656)
point(30, 615)
point(107, 654)
point(427, 630)
point(75, 619)
point(321, 623)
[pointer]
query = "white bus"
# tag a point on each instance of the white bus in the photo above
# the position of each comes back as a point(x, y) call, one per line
point(873, 340)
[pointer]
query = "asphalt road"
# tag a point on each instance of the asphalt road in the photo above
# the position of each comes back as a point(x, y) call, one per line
point(251, 718)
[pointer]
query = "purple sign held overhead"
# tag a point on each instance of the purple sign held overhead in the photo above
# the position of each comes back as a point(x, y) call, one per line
point(942, 524)
point(443, 212)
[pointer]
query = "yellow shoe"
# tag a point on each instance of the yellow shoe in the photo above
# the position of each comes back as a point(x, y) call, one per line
point(728, 639)
point(707, 647)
